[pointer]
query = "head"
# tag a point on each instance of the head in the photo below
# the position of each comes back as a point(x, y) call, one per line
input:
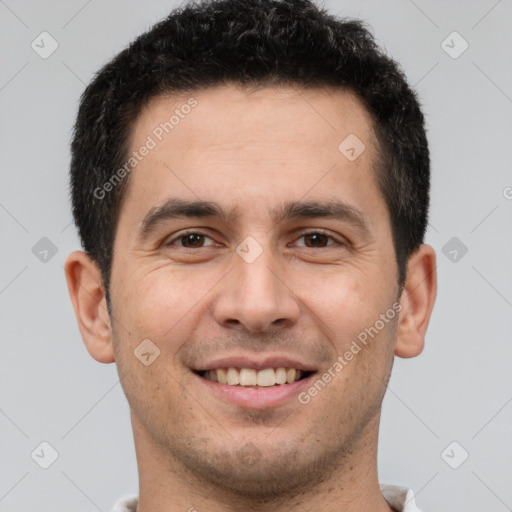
point(253, 44)
point(250, 181)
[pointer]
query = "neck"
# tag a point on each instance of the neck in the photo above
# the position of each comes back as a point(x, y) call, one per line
point(166, 485)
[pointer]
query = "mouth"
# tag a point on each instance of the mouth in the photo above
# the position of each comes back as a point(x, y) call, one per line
point(261, 387)
point(252, 378)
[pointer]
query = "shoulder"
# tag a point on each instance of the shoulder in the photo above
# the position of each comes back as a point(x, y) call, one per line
point(126, 504)
point(400, 498)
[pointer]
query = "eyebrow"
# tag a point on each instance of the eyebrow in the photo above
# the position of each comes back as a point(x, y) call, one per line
point(177, 208)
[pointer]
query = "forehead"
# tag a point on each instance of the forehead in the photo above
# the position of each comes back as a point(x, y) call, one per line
point(239, 145)
point(229, 113)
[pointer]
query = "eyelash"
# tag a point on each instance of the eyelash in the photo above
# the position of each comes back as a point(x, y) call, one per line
point(311, 232)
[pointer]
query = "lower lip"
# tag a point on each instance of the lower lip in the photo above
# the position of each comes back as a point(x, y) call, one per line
point(257, 398)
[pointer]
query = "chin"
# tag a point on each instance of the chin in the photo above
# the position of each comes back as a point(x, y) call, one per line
point(255, 474)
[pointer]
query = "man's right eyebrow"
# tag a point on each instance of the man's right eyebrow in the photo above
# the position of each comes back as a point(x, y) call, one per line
point(176, 208)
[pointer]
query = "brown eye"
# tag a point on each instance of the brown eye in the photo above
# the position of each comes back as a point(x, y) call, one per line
point(316, 240)
point(190, 240)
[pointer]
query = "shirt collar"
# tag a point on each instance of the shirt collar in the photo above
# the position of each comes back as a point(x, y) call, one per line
point(400, 498)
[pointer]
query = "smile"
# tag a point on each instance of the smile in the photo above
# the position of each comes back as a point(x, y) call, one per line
point(242, 390)
point(249, 377)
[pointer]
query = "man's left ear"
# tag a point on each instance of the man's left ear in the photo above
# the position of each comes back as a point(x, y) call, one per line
point(418, 297)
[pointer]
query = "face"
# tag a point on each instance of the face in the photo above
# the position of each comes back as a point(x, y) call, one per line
point(286, 262)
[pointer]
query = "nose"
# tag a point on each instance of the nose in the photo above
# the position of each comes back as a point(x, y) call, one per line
point(255, 296)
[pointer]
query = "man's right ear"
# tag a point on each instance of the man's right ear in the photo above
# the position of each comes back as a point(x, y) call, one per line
point(87, 294)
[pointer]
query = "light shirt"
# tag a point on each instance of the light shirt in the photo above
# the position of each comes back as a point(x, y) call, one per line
point(400, 498)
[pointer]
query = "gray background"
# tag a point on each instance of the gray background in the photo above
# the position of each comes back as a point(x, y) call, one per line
point(458, 390)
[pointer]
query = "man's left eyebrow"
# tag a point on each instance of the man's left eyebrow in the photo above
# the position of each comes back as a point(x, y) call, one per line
point(328, 209)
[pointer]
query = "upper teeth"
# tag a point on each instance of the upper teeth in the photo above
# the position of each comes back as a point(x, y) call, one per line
point(251, 377)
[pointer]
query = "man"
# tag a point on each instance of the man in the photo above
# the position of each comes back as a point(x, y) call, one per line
point(250, 181)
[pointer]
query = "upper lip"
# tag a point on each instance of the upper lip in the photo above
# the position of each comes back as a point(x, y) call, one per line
point(256, 363)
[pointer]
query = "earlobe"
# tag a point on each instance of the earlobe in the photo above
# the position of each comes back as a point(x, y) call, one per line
point(417, 301)
point(87, 295)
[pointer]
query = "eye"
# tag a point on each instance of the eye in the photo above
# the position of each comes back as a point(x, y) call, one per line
point(318, 239)
point(190, 240)
point(197, 240)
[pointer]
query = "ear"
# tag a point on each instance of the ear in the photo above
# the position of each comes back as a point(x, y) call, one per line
point(88, 297)
point(418, 297)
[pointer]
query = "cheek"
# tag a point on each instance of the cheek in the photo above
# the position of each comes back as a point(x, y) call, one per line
point(344, 302)
point(348, 307)
point(165, 300)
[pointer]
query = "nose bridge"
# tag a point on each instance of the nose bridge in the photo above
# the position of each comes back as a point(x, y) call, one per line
point(254, 295)
point(256, 278)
